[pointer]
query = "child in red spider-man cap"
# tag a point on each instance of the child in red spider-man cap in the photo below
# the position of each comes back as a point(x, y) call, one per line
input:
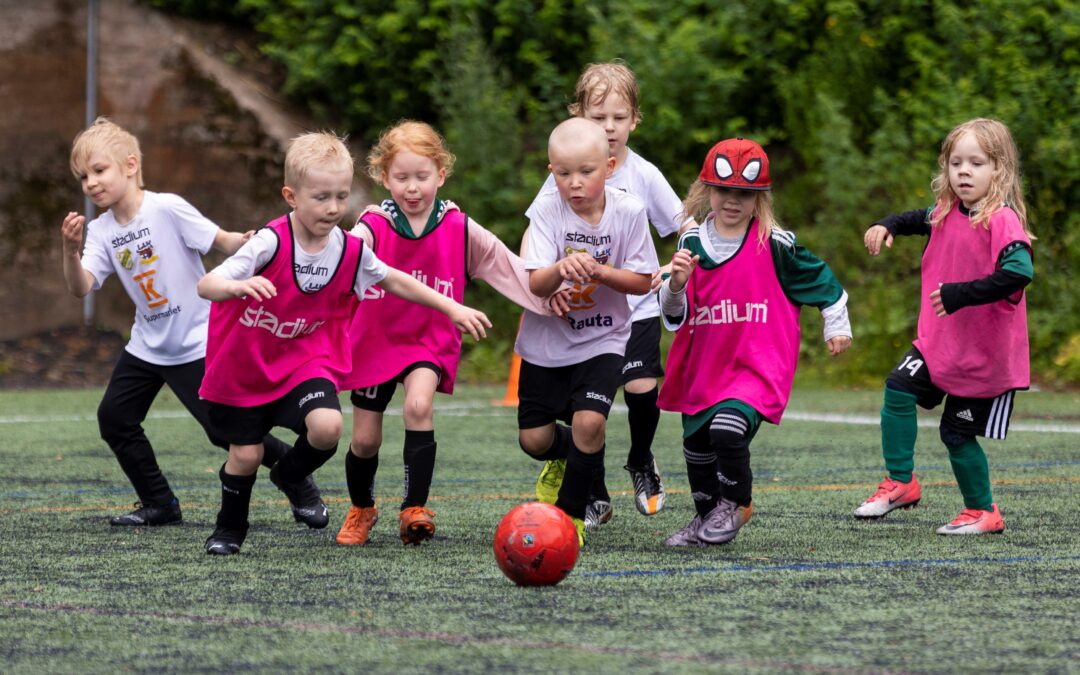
point(736, 285)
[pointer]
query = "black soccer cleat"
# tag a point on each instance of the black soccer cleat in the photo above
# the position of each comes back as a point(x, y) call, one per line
point(148, 515)
point(225, 541)
point(307, 504)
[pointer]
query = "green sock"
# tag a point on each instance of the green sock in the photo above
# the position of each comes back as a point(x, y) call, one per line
point(899, 428)
point(972, 474)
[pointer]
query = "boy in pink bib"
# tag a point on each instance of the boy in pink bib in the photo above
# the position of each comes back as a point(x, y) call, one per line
point(736, 285)
point(972, 345)
point(278, 347)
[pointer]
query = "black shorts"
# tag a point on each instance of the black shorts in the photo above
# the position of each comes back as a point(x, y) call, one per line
point(643, 351)
point(248, 425)
point(986, 417)
point(377, 398)
point(549, 394)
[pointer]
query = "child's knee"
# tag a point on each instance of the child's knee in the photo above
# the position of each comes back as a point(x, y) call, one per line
point(324, 428)
point(536, 441)
point(112, 421)
point(418, 411)
point(589, 428)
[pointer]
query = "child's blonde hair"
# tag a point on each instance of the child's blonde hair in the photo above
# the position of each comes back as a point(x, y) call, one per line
point(315, 150)
point(105, 136)
point(1005, 187)
point(600, 79)
point(696, 205)
point(410, 136)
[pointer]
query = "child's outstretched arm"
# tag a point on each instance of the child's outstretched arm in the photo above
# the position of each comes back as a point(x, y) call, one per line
point(467, 319)
point(913, 222)
point(489, 259)
point(230, 242)
point(79, 281)
point(216, 288)
point(623, 281)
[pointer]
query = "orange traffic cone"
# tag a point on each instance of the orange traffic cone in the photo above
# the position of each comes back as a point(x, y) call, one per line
point(510, 399)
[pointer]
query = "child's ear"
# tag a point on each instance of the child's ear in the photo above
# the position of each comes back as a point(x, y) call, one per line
point(610, 167)
point(290, 196)
point(550, 170)
point(442, 177)
point(131, 165)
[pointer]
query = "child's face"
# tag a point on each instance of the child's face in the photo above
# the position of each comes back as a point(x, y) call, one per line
point(733, 208)
point(579, 174)
point(616, 118)
point(413, 180)
point(970, 170)
point(320, 200)
point(107, 181)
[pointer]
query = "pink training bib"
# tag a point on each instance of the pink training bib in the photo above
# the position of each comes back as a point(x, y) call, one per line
point(389, 333)
point(257, 352)
point(979, 351)
point(740, 339)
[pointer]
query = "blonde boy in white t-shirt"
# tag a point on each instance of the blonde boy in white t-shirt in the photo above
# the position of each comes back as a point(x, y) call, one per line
point(595, 238)
point(154, 243)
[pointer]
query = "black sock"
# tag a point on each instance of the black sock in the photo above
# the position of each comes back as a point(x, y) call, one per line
point(580, 468)
point(701, 472)
point(729, 439)
point(360, 477)
point(419, 456)
point(644, 417)
point(598, 490)
point(300, 462)
point(273, 449)
point(235, 500)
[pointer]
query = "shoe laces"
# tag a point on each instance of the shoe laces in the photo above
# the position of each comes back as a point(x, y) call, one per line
point(355, 517)
point(418, 511)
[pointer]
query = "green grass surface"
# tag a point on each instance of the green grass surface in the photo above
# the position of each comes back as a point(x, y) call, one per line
point(805, 587)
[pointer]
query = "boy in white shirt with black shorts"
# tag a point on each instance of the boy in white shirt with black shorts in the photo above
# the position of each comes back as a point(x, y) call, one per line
point(595, 238)
point(154, 243)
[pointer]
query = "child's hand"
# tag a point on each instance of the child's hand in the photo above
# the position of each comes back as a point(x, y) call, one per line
point(469, 320)
point(577, 268)
point(658, 277)
point(682, 264)
point(256, 288)
point(72, 231)
point(873, 238)
point(838, 344)
point(559, 302)
point(247, 235)
point(937, 303)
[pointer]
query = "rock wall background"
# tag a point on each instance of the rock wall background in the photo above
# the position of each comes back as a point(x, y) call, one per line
point(210, 131)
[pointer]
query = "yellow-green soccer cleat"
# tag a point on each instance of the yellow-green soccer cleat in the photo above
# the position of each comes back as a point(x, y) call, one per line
point(580, 525)
point(550, 480)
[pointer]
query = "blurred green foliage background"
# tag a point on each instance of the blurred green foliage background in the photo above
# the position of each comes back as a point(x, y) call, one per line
point(851, 99)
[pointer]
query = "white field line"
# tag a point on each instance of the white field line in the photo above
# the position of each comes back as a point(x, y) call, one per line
point(485, 409)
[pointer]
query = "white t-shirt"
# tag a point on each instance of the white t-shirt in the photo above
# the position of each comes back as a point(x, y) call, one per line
point(312, 270)
point(599, 320)
point(641, 178)
point(158, 259)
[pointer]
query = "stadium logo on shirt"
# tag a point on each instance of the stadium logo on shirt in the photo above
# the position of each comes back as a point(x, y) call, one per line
point(589, 238)
point(258, 317)
point(729, 312)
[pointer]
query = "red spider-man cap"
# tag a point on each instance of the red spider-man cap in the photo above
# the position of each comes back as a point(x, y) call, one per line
point(736, 163)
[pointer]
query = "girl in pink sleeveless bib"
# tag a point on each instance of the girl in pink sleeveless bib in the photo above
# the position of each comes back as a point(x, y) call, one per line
point(972, 345)
point(734, 294)
point(394, 341)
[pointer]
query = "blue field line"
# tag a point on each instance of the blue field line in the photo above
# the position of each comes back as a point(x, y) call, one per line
point(813, 567)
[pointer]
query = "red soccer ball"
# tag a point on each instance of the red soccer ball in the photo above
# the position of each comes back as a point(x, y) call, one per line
point(536, 544)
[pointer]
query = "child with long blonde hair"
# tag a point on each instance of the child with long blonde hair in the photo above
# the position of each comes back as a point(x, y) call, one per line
point(736, 285)
point(436, 242)
point(972, 345)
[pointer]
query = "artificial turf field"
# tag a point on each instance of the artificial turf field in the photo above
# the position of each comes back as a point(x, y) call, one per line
point(804, 587)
